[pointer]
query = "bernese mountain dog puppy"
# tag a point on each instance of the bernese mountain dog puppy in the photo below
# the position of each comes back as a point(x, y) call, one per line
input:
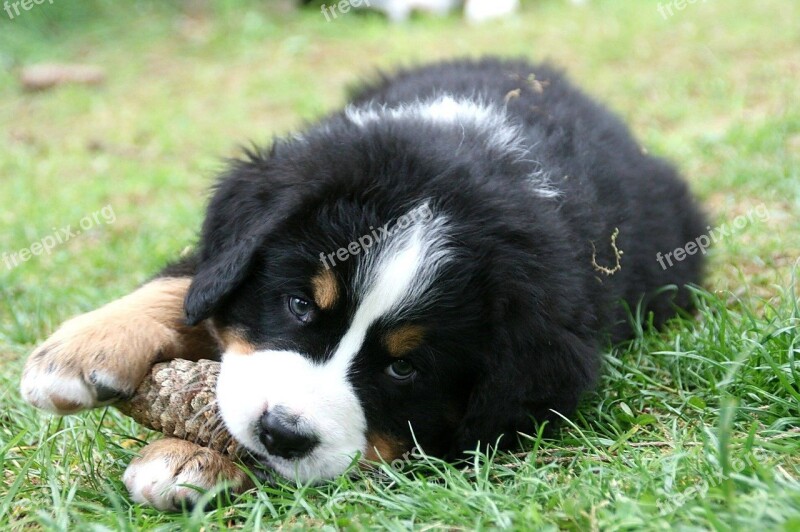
point(440, 265)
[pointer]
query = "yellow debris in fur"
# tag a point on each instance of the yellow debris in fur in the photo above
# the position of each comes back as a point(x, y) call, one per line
point(617, 255)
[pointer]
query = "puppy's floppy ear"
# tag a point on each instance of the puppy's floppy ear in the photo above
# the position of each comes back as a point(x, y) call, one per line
point(249, 202)
point(537, 368)
point(217, 276)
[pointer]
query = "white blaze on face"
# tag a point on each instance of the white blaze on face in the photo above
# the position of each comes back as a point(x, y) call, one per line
point(390, 281)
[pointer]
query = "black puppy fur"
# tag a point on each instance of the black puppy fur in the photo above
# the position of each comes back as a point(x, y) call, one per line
point(521, 315)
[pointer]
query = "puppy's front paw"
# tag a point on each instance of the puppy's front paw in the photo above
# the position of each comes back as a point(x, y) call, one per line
point(171, 474)
point(96, 358)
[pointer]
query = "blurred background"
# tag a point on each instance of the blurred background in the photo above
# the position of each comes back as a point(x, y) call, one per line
point(134, 105)
point(115, 117)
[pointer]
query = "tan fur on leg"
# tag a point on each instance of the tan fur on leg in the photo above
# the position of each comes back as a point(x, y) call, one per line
point(95, 358)
point(168, 473)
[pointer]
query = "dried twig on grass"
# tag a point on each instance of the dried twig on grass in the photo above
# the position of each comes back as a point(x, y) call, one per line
point(47, 75)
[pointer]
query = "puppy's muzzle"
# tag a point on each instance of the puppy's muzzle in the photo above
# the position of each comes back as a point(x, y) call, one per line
point(282, 437)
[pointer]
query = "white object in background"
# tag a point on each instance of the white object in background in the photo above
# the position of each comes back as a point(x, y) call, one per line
point(481, 10)
point(400, 10)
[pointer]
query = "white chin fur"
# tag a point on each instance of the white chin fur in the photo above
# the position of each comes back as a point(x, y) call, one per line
point(319, 394)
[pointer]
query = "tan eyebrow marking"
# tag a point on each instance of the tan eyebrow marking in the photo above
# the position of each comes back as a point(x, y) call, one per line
point(326, 289)
point(404, 339)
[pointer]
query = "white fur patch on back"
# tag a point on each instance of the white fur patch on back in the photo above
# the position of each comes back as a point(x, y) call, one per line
point(448, 111)
point(489, 120)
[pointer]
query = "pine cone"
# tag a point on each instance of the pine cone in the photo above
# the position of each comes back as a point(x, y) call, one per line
point(178, 398)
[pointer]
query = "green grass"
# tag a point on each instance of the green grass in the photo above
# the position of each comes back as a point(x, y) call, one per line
point(695, 427)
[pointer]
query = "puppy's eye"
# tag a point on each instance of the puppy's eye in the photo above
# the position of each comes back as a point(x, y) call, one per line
point(301, 309)
point(400, 370)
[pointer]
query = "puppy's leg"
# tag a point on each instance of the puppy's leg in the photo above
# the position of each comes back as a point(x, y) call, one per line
point(170, 474)
point(101, 356)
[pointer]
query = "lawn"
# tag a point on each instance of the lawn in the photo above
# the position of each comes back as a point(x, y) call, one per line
point(694, 427)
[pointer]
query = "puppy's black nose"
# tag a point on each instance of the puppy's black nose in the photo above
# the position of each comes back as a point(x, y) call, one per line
point(283, 439)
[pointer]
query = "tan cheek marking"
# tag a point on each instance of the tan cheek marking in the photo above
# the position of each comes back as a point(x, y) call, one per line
point(326, 289)
point(383, 447)
point(234, 341)
point(407, 338)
